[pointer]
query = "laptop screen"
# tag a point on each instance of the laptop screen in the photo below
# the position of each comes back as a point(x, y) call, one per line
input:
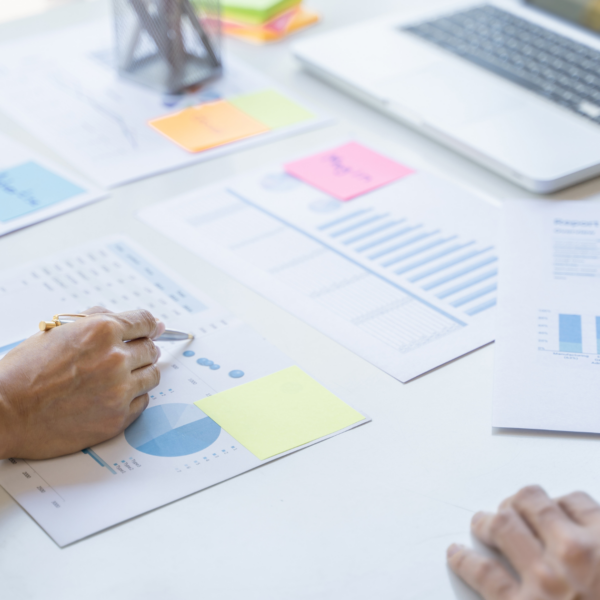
point(582, 12)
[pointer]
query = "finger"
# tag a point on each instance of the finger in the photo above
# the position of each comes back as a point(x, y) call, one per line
point(160, 329)
point(96, 310)
point(142, 353)
point(486, 576)
point(145, 379)
point(136, 408)
point(543, 515)
point(507, 532)
point(582, 508)
point(137, 324)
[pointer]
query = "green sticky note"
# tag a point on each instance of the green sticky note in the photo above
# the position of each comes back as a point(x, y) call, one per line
point(271, 108)
point(255, 12)
point(278, 413)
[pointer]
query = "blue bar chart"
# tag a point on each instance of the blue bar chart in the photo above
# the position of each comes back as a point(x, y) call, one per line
point(460, 271)
point(570, 335)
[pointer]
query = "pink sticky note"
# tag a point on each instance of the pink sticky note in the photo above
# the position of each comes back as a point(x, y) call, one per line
point(348, 171)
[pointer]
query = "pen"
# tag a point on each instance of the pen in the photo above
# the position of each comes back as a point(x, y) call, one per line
point(57, 320)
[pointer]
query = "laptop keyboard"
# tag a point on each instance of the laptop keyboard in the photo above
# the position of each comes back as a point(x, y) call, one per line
point(544, 62)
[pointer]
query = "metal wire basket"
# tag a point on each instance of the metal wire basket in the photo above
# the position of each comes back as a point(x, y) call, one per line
point(168, 45)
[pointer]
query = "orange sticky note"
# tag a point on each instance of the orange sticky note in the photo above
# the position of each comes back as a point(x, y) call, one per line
point(202, 127)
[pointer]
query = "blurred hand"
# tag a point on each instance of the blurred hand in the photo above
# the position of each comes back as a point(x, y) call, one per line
point(78, 385)
point(553, 545)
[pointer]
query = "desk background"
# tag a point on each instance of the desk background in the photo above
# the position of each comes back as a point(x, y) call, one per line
point(365, 515)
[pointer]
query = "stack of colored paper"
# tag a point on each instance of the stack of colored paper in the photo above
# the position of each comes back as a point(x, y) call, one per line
point(262, 21)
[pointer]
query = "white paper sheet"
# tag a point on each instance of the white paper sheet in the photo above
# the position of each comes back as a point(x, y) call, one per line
point(33, 189)
point(63, 87)
point(77, 495)
point(548, 343)
point(404, 276)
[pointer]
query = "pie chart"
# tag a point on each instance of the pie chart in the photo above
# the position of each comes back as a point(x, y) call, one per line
point(171, 430)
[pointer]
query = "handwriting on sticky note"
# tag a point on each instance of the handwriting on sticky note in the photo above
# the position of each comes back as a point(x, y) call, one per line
point(279, 412)
point(209, 125)
point(348, 171)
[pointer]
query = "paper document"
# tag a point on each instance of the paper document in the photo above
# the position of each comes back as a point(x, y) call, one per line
point(175, 448)
point(548, 343)
point(33, 189)
point(404, 276)
point(64, 88)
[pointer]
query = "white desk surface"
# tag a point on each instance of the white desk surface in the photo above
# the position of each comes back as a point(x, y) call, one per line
point(367, 514)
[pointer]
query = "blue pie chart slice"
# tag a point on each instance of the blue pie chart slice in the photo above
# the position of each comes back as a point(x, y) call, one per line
point(172, 430)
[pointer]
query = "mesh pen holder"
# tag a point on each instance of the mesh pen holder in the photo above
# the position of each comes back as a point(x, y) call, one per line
point(168, 45)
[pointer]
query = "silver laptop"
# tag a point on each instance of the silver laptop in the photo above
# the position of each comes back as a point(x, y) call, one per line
point(514, 85)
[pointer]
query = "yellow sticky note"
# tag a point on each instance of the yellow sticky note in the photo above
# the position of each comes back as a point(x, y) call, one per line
point(279, 412)
point(272, 108)
point(209, 125)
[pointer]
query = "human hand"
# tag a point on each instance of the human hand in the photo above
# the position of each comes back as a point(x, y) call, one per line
point(553, 545)
point(78, 385)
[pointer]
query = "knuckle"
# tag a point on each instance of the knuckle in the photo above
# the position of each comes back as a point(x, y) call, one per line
point(115, 360)
point(96, 309)
point(502, 521)
point(582, 501)
point(577, 496)
point(103, 326)
point(547, 512)
point(529, 492)
point(119, 393)
point(150, 347)
point(548, 580)
point(147, 319)
point(578, 553)
point(154, 375)
point(122, 393)
point(144, 402)
point(503, 589)
point(460, 561)
point(483, 572)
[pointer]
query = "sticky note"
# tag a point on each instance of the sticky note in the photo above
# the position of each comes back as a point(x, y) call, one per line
point(272, 109)
point(208, 125)
point(276, 29)
point(254, 11)
point(348, 171)
point(29, 187)
point(279, 412)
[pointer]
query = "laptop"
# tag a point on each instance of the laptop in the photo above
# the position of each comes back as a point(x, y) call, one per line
point(512, 84)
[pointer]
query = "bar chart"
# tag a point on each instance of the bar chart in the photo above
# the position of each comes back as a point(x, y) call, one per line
point(569, 336)
point(459, 270)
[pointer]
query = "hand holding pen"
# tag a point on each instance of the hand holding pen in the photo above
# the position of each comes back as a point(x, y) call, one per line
point(79, 384)
point(167, 335)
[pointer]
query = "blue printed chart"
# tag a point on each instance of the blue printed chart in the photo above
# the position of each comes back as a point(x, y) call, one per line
point(569, 336)
point(33, 189)
point(30, 187)
point(171, 430)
